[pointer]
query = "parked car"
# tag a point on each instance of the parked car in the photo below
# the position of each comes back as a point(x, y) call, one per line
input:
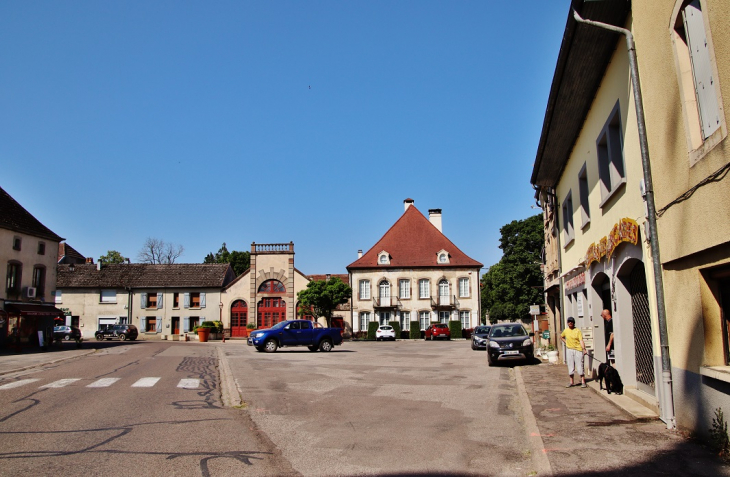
point(67, 333)
point(437, 330)
point(296, 333)
point(479, 337)
point(509, 341)
point(384, 332)
point(122, 332)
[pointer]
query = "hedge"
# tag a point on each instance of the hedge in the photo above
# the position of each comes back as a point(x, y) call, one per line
point(396, 327)
point(415, 331)
point(455, 328)
point(372, 326)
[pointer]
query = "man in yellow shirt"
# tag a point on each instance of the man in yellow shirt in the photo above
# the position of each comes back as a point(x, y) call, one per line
point(576, 348)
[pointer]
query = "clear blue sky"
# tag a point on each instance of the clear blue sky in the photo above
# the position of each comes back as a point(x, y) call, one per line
point(273, 121)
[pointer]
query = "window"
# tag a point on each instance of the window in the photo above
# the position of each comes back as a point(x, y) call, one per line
point(609, 147)
point(404, 289)
point(16, 243)
point(384, 292)
point(383, 258)
point(150, 324)
point(41, 248)
point(464, 318)
point(444, 316)
point(194, 300)
point(568, 232)
point(444, 290)
point(463, 287)
point(364, 320)
point(176, 300)
point(585, 210)
point(442, 258)
point(424, 288)
point(151, 300)
point(364, 289)
point(12, 280)
point(424, 319)
point(384, 317)
point(108, 296)
point(272, 286)
point(405, 321)
point(57, 296)
point(39, 280)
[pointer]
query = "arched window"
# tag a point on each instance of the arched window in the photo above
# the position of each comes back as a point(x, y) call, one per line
point(272, 286)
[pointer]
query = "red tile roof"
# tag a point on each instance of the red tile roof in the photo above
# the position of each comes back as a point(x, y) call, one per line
point(413, 242)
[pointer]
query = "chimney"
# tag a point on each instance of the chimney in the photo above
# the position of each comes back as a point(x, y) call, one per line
point(407, 203)
point(89, 260)
point(359, 254)
point(98, 265)
point(434, 216)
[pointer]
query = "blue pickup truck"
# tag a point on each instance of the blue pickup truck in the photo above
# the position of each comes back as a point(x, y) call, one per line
point(296, 333)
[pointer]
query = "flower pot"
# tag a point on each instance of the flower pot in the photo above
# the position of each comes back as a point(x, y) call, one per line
point(203, 334)
point(552, 356)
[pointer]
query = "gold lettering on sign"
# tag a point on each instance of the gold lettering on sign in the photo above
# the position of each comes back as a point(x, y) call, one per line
point(626, 230)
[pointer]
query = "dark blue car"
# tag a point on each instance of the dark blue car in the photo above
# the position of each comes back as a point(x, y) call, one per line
point(296, 333)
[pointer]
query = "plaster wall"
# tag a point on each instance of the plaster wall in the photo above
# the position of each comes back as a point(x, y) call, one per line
point(29, 257)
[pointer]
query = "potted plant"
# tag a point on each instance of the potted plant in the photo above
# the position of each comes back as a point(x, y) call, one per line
point(204, 331)
point(250, 327)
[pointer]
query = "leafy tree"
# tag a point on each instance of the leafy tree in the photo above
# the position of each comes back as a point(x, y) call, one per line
point(514, 283)
point(240, 261)
point(320, 298)
point(156, 251)
point(112, 256)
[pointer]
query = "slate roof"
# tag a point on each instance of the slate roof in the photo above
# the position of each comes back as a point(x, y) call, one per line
point(413, 242)
point(65, 250)
point(141, 275)
point(14, 217)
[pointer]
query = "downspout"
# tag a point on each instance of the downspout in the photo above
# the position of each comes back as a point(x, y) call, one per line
point(667, 407)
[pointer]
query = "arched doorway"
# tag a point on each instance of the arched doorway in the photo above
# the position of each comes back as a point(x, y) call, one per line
point(271, 309)
point(643, 342)
point(239, 319)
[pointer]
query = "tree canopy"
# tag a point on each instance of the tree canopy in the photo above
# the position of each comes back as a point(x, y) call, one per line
point(320, 298)
point(240, 261)
point(514, 283)
point(112, 256)
point(156, 251)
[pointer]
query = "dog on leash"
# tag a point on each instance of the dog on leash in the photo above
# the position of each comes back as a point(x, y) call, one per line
point(609, 375)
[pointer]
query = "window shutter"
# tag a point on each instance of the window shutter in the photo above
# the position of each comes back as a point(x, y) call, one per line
point(158, 325)
point(202, 300)
point(159, 301)
point(186, 300)
point(143, 300)
point(186, 323)
point(143, 324)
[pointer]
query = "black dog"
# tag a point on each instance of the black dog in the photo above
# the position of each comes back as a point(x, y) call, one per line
point(610, 375)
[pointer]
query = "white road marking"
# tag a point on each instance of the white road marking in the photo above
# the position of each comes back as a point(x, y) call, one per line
point(61, 383)
point(17, 384)
point(146, 383)
point(103, 383)
point(189, 383)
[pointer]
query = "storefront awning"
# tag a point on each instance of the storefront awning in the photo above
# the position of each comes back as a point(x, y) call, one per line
point(32, 309)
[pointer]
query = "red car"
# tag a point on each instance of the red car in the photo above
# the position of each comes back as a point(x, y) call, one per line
point(438, 330)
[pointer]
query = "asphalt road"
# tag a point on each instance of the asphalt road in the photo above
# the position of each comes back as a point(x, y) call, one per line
point(386, 408)
point(135, 408)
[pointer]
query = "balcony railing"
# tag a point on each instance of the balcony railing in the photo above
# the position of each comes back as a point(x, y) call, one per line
point(386, 302)
point(446, 301)
point(272, 247)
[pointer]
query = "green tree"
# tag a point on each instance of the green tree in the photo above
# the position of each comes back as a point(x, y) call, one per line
point(320, 298)
point(240, 261)
point(514, 283)
point(112, 256)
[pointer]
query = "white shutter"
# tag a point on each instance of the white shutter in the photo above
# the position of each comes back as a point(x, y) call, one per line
point(159, 301)
point(142, 324)
point(186, 300)
point(186, 324)
point(699, 53)
point(202, 300)
point(158, 325)
point(143, 300)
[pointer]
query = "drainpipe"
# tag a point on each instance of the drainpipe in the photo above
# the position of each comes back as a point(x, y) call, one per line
point(667, 407)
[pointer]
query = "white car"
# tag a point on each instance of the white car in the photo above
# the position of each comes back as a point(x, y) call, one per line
point(385, 332)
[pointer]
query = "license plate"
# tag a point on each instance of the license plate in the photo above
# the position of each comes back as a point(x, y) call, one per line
point(511, 352)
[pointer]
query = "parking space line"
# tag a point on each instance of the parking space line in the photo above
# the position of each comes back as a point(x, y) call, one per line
point(60, 383)
point(103, 383)
point(189, 383)
point(145, 382)
point(17, 384)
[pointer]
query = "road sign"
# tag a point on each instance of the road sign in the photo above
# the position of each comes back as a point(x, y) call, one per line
point(534, 309)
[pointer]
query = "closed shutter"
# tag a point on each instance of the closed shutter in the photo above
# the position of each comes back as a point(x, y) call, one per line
point(202, 300)
point(143, 300)
point(158, 325)
point(694, 27)
point(159, 301)
point(143, 324)
point(186, 300)
point(186, 324)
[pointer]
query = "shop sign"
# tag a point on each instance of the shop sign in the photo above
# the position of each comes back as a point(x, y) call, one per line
point(575, 282)
point(546, 335)
point(626, 230)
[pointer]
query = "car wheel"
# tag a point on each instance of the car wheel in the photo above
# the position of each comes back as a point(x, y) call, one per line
point(122, 337)
point(489, 361)
point(472, 346)
point(270, 346)
point(66, 338)
point(325, 345)
point(312, 348)
point(99, 337)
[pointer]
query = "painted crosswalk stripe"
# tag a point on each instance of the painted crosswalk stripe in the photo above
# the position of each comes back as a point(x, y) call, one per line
point(60, 383)
point(17, 384)
point(145, 383)
point(189, 383)
point(103, 383)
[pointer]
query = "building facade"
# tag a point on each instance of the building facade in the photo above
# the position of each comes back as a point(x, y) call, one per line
point(414, 273)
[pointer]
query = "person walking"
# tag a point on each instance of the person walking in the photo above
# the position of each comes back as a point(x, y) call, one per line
point(576, 348)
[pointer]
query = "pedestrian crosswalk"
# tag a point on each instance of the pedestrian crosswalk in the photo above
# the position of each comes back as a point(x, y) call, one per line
point(146, 382)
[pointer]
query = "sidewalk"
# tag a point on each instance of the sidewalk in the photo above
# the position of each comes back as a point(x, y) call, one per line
point(12, 362)
point(583, 432)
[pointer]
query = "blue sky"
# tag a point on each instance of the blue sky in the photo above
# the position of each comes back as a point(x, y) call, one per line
point(273, 121)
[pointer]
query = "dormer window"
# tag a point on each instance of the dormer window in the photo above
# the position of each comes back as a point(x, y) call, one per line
point(443, 256)
point(383, 258)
